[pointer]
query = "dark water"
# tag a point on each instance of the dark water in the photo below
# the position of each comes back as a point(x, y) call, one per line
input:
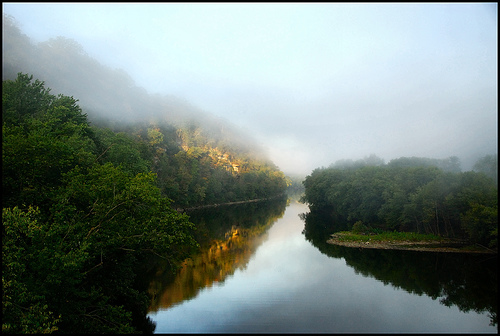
point(264, 269)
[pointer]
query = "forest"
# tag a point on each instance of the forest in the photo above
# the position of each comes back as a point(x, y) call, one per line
point(88, 207)
point(409, 194)
point(204, 152)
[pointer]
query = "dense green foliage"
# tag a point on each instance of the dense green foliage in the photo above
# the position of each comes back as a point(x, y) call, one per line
point(86, 207)
point(208, 172)
point(411, 195)
point(193, 166)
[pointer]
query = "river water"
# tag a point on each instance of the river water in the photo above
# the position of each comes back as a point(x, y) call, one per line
point(262, 269)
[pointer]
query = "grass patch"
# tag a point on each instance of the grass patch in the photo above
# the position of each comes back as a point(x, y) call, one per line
point(386, 236)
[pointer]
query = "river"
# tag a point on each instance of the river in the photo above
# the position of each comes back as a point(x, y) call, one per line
point(262, 269)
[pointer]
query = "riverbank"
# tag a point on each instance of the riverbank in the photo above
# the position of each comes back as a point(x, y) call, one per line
point(442, 245)
point(227, 203)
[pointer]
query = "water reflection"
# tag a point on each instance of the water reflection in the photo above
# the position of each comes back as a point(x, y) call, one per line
point(289, 286)
point(228, 236)
point(467, 281)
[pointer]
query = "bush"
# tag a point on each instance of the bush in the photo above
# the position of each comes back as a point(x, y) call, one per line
point(359, 227)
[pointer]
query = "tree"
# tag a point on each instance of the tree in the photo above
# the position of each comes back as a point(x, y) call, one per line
point(489, 166)
point(481, 223)
point(86, 252)
point(121, 149)
point(435, 213)
point(23, 98)
point(408, 194)
point(77, 226)
point(477, 202)
point(23, 309)
point(44, 136)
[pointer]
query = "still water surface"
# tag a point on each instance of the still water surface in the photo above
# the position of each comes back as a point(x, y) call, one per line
point(267, 277)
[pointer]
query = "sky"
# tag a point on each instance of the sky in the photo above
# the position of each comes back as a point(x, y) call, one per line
point(313, 82)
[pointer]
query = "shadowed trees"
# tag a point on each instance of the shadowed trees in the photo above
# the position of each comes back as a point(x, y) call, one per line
point(86, 209)
point(409, 194)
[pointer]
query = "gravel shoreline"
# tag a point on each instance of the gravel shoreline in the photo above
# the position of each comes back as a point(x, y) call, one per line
point(424, 246)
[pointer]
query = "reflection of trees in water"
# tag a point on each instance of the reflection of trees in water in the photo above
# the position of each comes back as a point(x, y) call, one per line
point(467, 281)
point(228, 236)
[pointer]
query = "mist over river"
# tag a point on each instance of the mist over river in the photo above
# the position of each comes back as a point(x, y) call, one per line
point(266, 269)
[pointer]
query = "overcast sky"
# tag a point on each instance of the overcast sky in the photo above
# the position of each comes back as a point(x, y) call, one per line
point(315, 83)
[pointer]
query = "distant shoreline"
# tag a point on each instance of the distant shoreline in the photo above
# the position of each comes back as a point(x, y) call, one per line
point(227, 203)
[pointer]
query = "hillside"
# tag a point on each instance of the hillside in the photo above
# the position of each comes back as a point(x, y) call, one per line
point(199, 159)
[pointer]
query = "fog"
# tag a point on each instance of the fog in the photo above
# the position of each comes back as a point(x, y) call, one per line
point(312, 82)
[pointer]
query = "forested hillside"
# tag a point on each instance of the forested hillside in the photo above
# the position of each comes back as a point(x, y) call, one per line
point(82, 213)
point(199, 159)
point(85, 207)
point(409, 194)
point(90, 191)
